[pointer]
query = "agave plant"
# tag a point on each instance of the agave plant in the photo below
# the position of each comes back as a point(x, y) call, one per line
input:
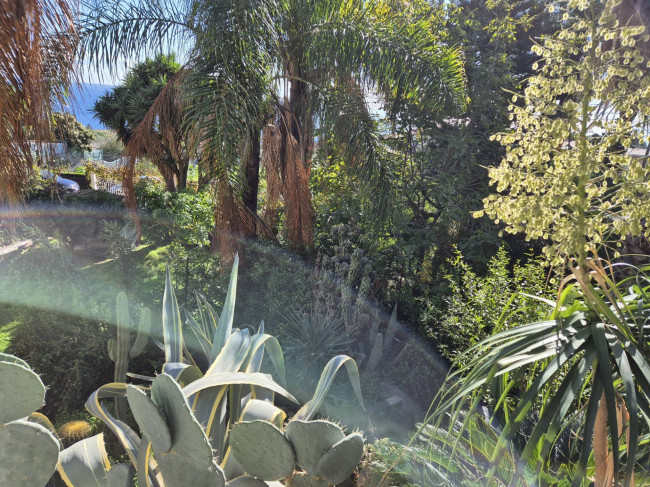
point(187, 415)
point(586, 364)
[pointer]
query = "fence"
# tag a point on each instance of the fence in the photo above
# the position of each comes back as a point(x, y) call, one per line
point(107, 185)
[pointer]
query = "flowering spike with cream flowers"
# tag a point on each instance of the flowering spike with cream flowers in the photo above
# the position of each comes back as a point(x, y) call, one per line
point(567, 175)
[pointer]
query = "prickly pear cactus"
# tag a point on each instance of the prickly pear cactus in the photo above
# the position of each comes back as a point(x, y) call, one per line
point(28, 451)
point(23, 391)
point(188, 458)
point(311, 440)
point(323, 451)
point(319, 447)
point(340, 461)
point(149, 418)
point(302, 479)
point(262, 450)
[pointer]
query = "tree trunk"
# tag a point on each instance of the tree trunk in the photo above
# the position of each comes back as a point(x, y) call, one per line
point(252, 174)
point(182, 174)
point(296, 163)
point(169, 181)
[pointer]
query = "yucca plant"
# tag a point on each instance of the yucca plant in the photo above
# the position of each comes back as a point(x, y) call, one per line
point(587, 365)
point(582, 194)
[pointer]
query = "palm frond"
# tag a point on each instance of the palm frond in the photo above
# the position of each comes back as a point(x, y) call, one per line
point(111, 32)
point(37, 43)
point(549, 367)
point(388, 55)
point(160, 135)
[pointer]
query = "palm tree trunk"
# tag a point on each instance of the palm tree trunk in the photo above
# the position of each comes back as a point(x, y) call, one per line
point(183, 167)
point(252, 180)
point(297, 194)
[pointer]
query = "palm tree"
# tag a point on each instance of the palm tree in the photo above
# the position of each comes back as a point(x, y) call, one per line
point(37, 42)
point(146, 112)
point(293, 66)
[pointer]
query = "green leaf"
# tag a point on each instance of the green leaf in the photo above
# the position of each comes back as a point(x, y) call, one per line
point(325, 382)
point(171, 321)
point(224, 327)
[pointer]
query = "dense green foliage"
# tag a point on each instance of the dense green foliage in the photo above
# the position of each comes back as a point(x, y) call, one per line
point(68, 129)
point(476, 306)
point(122, 108)
point(67, 351)
point(345, 150)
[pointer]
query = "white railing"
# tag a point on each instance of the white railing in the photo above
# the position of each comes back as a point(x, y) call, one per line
point(108, 185)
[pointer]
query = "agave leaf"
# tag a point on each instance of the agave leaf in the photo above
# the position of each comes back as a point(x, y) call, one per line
point(171, 321)
point(127, 437)
point(390, 332)
point(233, 354)
point(325, 382)
point(224, 327)
point(85, 463)
point(259, 343)
point(208, 316)
point(184, 374)
point(229, 378)
point(205, 345)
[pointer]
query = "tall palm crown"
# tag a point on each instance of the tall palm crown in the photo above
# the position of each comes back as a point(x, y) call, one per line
point(288, 66)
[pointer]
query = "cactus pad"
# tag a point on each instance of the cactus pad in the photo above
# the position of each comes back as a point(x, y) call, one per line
point(341, 460)
point(246, 481)
point(12, 359)
point(188, 439)
point(28, 454)
point(23, 391)
point(302, 479)
point(149, 418)
point(262, 450)
point(178, 472)
point(311, 440)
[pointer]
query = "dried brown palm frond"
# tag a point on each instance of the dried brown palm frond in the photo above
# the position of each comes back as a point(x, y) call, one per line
point(296, 192)
point(230, 219)
point(162, 137)
point(37, 44)
point(271, 138)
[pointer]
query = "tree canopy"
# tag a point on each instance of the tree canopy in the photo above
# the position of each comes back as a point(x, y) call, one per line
point(68, 129)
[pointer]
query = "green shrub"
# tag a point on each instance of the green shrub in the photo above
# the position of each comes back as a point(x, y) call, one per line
point(474, 304)
point(186, 216)
point(68, 352)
